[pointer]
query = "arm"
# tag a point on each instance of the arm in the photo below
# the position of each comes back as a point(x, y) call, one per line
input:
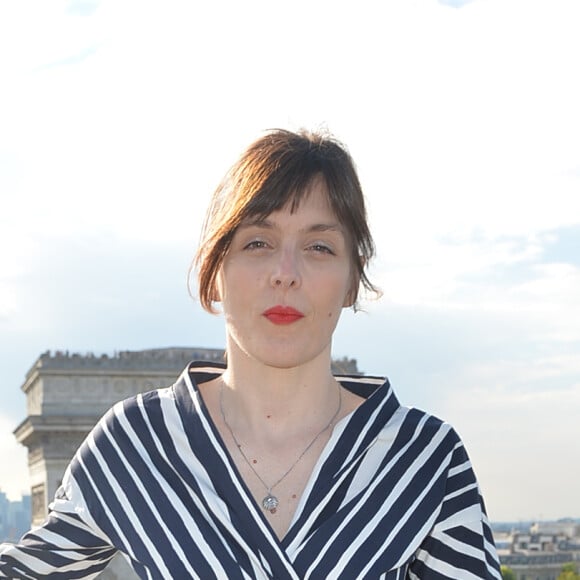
point(63, 547)
point(460, 545)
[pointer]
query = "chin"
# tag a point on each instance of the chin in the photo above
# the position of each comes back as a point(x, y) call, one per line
point(282, 354)
point(287, 359)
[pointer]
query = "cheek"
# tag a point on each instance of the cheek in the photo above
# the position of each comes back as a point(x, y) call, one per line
point(235, 287)
point(226, 283)
point(337, 292)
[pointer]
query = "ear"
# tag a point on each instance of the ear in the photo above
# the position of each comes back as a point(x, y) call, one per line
point(348, 301)
point(352, 294)
point(216, 294)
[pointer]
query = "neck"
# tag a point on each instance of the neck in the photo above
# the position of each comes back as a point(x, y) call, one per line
point(276, 402)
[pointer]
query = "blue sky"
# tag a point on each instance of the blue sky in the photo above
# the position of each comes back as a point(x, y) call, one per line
point(118, 118)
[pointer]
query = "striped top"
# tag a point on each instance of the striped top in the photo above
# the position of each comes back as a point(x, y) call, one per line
point(392, 496)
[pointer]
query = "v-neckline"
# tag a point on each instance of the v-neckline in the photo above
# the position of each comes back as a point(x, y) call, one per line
point(282, 544)
point(258, 512)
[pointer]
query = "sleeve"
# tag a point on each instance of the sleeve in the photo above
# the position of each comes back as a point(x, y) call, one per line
point(69, 544)
point(63, 547)
point(460, 545)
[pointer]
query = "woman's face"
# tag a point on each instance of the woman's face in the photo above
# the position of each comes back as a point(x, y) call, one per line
point(284, 282)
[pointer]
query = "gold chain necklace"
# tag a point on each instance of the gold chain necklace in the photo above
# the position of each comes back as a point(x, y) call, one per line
point(270, 502)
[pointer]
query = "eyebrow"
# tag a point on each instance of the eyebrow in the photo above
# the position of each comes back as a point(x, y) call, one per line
point(267, 224)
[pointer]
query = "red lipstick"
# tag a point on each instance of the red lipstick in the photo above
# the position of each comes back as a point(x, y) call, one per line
point(282, 314)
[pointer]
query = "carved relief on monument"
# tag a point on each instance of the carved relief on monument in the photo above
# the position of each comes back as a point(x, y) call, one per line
point(59, 444)
point(62, 393)
point(38, 500)
point(34, 454)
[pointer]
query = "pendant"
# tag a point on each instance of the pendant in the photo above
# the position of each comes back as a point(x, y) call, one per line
point(270, 503)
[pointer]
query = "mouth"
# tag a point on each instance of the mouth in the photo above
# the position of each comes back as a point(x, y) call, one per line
point(282, 314)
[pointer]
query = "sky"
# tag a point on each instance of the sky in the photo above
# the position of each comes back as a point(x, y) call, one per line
point(118, 119)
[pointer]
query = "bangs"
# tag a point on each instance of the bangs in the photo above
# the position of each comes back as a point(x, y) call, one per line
point(280, 196)
point(286, 183)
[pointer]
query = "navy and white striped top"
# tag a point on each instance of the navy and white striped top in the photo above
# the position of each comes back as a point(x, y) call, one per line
point(392, 496)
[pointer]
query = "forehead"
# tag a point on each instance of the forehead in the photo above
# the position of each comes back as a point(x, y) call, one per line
point(313, 196)
point(313, 208)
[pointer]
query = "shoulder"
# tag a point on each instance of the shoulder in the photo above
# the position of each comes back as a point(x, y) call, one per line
point(128, 422)
point(382, 406)
point(124, 439)
point(138, 405)
point(427, 424)
point(421, 434)
point(160, 400)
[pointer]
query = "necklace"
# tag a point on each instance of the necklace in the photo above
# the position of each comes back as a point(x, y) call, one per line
point(270, 501)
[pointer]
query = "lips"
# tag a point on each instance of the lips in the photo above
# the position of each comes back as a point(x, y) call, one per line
point(283, 314)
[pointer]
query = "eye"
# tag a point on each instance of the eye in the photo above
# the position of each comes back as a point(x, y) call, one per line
point(321, 248)
point(256, 245)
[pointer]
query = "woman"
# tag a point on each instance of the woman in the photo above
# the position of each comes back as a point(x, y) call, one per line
point(271, 467)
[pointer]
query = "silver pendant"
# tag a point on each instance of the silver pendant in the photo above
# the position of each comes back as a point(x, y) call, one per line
point(270, 503)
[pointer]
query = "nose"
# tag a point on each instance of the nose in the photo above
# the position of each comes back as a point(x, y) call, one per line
point(286, 270)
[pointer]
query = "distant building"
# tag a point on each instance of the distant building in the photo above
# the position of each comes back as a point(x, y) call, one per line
point(66, 394)
point(564, 527)
point(540, 553)
point(14, 517)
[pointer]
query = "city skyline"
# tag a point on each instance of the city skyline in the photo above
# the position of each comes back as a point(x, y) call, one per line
point(119, 119)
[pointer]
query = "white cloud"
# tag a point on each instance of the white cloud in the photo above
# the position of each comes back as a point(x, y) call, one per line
point(487, 274)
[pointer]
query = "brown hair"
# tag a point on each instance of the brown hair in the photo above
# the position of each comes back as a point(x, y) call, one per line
point(276, 170)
